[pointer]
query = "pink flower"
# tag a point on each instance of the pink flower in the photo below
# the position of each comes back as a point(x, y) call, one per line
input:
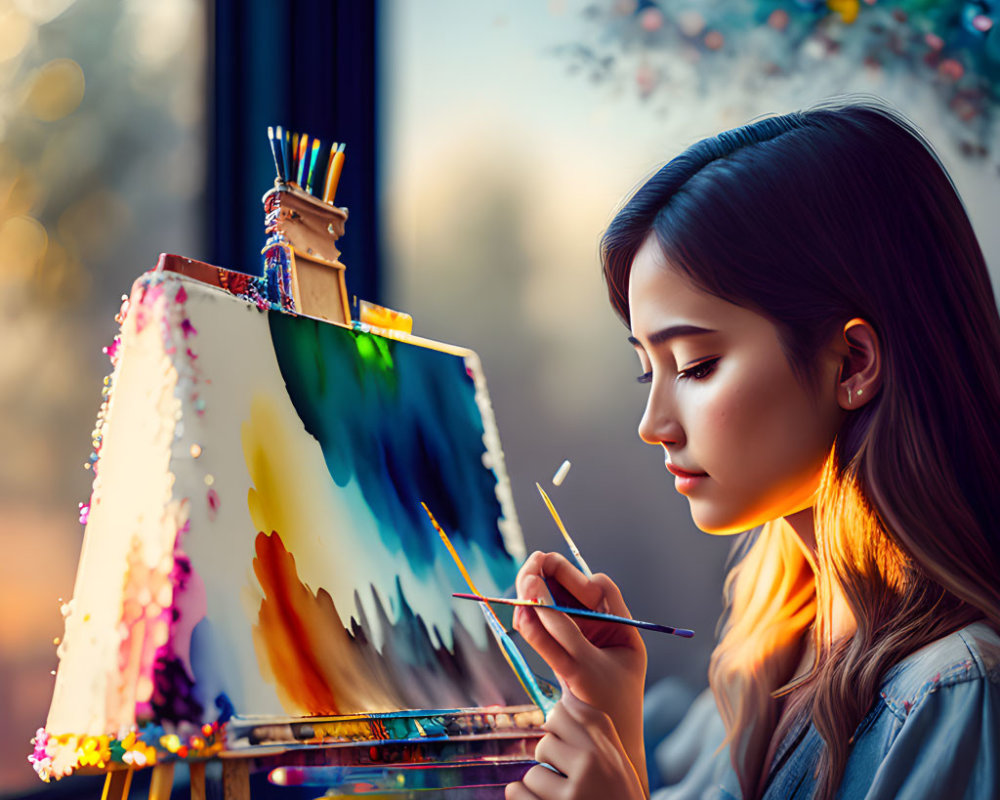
point(651, 19)
point(112, 349)
point(40, 760)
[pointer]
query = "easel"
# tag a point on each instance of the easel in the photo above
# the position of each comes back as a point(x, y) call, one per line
point(235, 781)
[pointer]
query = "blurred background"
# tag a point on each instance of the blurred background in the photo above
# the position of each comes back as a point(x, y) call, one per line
point(489, 144)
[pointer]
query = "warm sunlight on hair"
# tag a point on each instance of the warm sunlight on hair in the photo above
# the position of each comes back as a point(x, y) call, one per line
point(776, 592)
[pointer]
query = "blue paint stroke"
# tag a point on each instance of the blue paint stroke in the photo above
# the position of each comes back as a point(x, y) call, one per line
point(402, 421)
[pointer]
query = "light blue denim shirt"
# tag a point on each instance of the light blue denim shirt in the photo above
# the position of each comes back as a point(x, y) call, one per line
point(933, 733)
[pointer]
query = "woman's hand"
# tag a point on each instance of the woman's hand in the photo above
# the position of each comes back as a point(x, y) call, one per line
point(602, 663)
point(582, 743)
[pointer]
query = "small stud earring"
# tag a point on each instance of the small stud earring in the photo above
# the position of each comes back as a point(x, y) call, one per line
point(860, 392)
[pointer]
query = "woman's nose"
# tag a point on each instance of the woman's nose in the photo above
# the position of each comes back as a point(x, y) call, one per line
point(659, 423)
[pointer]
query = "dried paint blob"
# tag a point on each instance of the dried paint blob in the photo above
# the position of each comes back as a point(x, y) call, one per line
point(561, 473)
point(195, 450)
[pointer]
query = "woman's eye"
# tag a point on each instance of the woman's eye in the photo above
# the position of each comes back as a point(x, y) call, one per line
point(699, 371)
point(646, 377)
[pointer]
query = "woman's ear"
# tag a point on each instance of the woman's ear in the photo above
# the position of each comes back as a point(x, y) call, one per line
point(861, 365)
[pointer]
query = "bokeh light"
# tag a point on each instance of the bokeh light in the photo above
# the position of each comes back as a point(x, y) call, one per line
point(15, 33)
point(101, 101)
point(55, 90)
point(22, 246)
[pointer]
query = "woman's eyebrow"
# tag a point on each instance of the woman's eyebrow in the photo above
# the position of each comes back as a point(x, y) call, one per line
point(672, 332)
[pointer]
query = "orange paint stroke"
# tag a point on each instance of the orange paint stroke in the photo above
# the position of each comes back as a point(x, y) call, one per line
point(288, 617)
point(317, 666)
point(319, 662)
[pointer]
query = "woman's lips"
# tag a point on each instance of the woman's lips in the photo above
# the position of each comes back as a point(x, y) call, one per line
point(686, 481)
point(683, 473)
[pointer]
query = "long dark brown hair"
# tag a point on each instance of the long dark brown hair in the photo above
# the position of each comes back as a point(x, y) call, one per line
point(812, 219)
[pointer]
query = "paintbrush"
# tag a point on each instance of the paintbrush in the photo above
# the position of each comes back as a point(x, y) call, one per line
point(276, 151)
point(580, 612)
point(562, 529)
point(295, 158)
point(312, 165)
point(514, 658)
point(333, 171)
point(398, 778)
point(303, 158)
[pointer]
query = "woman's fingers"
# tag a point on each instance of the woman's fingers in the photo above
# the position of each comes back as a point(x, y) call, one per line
point(557, 754)
point(566, 643)
point(518, 791)
point(535, 587)
point(585, 755)
point(544, 782)
point(553, 635)
point(578, 724)
point(528, 624)
point(555, 566)
point(567, 633)
point(568, 575)
point(533, 566)
point(612, 595)
point(563, 725)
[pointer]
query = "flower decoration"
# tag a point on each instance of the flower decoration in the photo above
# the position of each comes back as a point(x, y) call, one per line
point(40, 759)
point(60, 755)
point(655, 46)
point(94, 751)
point(137, 753)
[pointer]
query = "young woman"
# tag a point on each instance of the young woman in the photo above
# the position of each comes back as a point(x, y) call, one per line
point(814, 317)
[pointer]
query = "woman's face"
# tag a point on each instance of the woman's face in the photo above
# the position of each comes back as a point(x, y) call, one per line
point(724, 403)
